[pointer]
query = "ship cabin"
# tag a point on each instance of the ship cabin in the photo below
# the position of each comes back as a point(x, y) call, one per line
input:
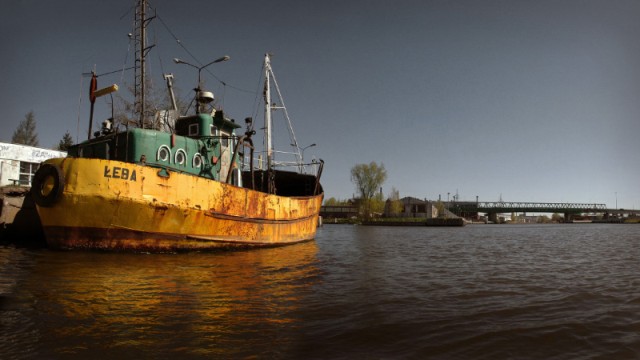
point(201, 145)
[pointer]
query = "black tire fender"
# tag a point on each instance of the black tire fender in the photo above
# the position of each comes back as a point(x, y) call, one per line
point(47, 185)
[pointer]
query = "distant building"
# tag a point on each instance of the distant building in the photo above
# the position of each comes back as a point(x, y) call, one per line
point(413, 208)
point(18, 162)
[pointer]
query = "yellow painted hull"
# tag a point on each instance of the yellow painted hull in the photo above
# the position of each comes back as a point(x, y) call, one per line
point(114, 205)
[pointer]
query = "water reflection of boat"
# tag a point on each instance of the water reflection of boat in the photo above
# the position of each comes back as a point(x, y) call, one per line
point(147, 189)
point(198, 304)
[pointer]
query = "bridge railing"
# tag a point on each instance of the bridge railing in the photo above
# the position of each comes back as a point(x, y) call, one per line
point(531, 206)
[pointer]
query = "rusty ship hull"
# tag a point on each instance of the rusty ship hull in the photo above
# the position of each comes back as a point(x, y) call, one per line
point(113, 205)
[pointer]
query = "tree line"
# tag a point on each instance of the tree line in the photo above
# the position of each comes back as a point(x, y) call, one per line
point(26, 134)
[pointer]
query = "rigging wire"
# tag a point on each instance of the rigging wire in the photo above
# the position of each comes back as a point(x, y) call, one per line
point(155, 41)
point(128, 12)
point(292, 135)
point(179, 42)
point(256, 101)
point(126, 57)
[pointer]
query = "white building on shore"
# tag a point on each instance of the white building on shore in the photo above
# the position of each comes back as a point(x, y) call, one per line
point(18, 162)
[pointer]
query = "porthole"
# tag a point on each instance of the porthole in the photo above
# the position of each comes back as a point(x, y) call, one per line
point(197, 160)
point(181, 157)
point(164, 153)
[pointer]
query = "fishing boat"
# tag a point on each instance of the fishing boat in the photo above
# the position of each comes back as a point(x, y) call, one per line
point(195, 186)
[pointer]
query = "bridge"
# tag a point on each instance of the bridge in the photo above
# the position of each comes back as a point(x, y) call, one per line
point(470, 208)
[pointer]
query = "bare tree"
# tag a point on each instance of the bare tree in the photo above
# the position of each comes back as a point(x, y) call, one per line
point(157, 102)
point(127, 113)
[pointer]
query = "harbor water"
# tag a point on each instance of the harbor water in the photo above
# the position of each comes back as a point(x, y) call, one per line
point(569, 291)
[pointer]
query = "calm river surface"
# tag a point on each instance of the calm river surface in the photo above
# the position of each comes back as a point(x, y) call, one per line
point(479, 292)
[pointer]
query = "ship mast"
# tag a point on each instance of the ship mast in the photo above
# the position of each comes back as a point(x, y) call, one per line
point(267, 110)
point(140, 64)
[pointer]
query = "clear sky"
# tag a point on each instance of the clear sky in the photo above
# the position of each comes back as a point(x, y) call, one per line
point(524, 100)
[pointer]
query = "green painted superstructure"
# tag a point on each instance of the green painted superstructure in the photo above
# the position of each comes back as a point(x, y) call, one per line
point(196, 147)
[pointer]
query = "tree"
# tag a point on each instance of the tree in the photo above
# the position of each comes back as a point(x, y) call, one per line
point(395, 205)
point(376, 204)
point(543, 219)
point(335, 202)
point(66, 142)
point(557, 218)
point(368, 179)
point(330, 201)
point(26, 133)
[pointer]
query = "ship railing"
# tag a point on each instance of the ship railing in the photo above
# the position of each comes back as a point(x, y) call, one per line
point(290, 161)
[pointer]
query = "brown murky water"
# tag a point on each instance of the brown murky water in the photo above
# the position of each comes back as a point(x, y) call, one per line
point(478, 292)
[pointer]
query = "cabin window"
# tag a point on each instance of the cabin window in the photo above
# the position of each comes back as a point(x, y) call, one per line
point(181, 157)
point(27, 170)
point(224, 139)
point(194, 129)
point(197, 160)
point(164, 153)
point(214, 130)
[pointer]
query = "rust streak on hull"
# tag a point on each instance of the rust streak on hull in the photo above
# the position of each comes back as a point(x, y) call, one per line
point(66, 238)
